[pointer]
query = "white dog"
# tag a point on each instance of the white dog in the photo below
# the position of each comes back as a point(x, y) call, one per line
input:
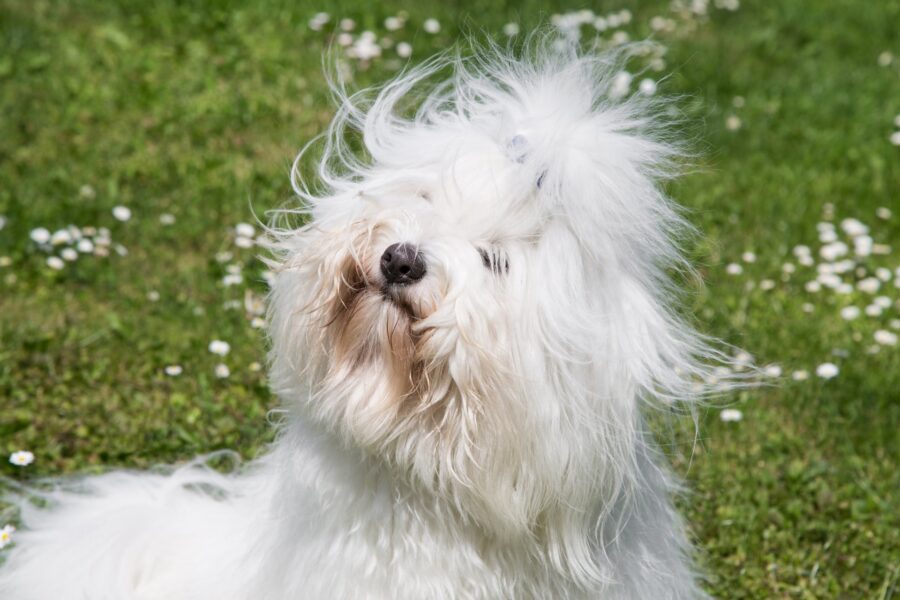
point(465, 334)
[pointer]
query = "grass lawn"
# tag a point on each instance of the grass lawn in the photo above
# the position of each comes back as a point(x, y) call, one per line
point(193, 111)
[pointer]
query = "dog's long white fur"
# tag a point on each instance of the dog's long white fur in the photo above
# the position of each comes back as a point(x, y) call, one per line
point(475, 435)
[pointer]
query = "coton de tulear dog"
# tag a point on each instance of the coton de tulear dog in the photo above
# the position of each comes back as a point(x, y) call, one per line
point(465, 333)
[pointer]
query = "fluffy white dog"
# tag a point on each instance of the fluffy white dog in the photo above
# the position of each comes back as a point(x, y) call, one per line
point(464, 333)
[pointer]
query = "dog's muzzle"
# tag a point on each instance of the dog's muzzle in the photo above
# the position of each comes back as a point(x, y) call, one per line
point(402, 264)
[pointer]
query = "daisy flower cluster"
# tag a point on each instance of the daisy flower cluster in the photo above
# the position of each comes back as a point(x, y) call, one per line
point(245, 237)
point(366, 46)
point(67, 245)
point(391, 44)
point(70, 243)
point(237, 279)
point(616, 28)
point(19, 458)
point(846, 274)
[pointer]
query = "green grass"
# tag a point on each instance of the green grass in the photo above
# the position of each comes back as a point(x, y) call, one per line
point(198, 111)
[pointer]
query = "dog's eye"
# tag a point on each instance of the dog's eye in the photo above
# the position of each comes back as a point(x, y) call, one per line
point(494, 260)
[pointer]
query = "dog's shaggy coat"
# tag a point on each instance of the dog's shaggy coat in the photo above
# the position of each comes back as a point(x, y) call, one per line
point(474, 434)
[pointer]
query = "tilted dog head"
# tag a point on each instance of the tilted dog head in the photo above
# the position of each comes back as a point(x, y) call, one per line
point(479, 299)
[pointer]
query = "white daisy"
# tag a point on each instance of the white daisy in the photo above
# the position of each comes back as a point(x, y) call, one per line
point(734, 269)
point(621, 84)
point(121, 213)
point(827, 370)
point(882, 301)
point(431, 25)
point(772, 371)
point(55, 263)
point(245, 230)
point(833, 251)
point(826, 236)
point(21, 458)
point(873, 310)
point(511, 29)
point(829, 280)
point(318, 21)
point(848, 313)
point(219, 347)
point(647, 87)
point(404, 50)
point(232, 279)
point(61, 236)
point(6, 535)
point(843, 266)
point(167, 219)
point(619, 38)
point(885, 337)
point(863, 245)
point(800, 375)
point(40, 235)
point(174, 370)
point(854, 227)
point(869, 285)
point(222, 371)
point(743, 359)
point(731, 415)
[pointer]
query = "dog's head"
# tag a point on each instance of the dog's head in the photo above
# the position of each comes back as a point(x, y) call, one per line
point(480, 301)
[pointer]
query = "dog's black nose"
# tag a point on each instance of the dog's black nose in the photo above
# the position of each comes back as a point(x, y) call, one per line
point(402, 264)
